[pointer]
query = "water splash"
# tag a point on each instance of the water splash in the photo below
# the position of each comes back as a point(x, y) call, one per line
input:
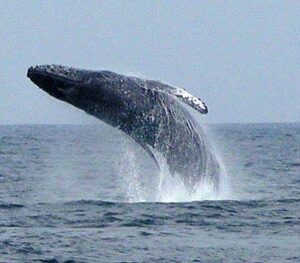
point(140, 183)
point(173, 189)
point(130, 176)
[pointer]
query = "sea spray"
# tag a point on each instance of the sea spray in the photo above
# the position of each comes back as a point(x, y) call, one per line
point(130, 176)
point(142, 182)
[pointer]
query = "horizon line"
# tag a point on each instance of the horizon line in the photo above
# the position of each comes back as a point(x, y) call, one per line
point(93, 124)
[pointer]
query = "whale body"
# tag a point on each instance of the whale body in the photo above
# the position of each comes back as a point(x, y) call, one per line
point(150, 112)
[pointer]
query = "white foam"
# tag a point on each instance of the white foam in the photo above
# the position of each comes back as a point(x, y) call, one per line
point(164, 187)
point(173, 189)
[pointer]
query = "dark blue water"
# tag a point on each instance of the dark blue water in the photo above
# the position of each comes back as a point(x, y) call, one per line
point(88, 194)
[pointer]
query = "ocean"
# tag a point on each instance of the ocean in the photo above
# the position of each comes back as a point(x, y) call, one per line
point(88, 193)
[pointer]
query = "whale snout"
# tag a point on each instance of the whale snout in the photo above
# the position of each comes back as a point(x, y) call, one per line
point(55, 80)
point(40, 78)
point(30, 72)
point(58, 72)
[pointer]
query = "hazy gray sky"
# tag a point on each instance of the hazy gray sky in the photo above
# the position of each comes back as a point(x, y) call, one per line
point(241, 57)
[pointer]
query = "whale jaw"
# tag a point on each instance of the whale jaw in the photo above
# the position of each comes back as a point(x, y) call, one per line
point(57, 83)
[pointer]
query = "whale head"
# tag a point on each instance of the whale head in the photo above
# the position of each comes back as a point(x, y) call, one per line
point(91, 91)
point(56, 80)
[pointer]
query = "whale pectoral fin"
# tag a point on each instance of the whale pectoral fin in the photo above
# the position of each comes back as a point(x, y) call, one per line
point(190, 100)
point(147, 149)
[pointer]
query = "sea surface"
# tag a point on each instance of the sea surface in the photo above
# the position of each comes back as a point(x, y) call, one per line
point(88, 193)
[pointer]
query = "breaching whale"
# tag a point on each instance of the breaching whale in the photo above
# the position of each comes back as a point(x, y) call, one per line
point(150, 112)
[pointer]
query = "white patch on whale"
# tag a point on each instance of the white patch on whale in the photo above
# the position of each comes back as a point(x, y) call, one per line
point(191, 100)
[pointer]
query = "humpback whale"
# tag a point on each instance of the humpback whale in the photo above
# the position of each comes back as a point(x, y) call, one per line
point(150, 112)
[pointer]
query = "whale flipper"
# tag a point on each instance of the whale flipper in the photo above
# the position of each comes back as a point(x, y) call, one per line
point(180, 93)
point(190, 100)
point(149, 152)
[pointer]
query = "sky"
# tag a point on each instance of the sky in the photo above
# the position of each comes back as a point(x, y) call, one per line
point(242, 58)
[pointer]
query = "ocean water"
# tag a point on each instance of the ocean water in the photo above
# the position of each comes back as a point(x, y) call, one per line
point(89, 194)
